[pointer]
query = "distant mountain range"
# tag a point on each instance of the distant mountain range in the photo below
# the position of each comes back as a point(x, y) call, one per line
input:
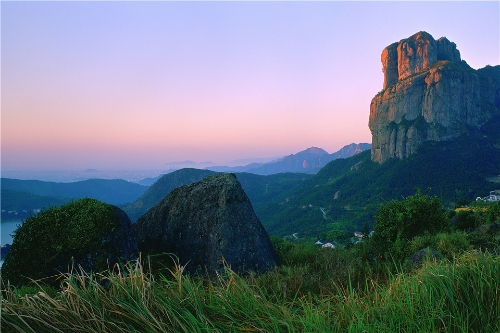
point(343, 195)
point(309, 161)
point(22, 197)
point(173, 166)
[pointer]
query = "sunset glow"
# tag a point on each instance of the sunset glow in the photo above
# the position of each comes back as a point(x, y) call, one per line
point(137, 85)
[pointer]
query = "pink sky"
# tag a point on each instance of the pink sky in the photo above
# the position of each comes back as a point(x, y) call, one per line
point(136, 85)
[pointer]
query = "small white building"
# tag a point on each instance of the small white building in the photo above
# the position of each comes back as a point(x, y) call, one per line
point(328, 245)
point(493, 197)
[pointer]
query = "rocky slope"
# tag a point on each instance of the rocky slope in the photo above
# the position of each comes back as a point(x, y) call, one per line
point(429, 93)
point(205, 223)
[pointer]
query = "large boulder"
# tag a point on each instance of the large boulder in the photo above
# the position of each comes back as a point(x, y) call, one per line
point(205, 224)
point(429, 93)
point(85, 233)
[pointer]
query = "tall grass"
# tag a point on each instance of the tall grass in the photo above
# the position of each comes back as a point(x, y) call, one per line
point(462, 296)
point(450, 296)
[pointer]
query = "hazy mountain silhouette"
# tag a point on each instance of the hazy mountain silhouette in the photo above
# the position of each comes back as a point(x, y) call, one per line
point(310, 161)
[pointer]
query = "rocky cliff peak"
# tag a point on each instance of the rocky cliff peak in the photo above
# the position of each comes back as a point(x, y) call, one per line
point(205, 223)
point(429, 93)
point(414, 54)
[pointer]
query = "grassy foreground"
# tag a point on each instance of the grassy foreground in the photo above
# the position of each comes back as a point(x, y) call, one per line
point(462, 295)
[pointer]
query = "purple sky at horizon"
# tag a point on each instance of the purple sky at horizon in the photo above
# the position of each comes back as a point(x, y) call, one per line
point(139, 85)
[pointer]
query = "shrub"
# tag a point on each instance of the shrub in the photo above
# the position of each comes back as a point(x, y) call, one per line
point(448, 245)
point(397, 222)
point(84, 232)
point(494, 213)
point(466, 220)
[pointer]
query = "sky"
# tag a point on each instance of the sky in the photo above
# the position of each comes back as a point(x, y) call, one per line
point(139, 85)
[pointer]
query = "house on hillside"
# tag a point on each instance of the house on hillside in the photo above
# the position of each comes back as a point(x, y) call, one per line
point(358, 234)
point(493, 197)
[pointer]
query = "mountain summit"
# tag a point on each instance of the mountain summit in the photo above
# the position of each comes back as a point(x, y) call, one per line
point(429, 93)
point(310, 160)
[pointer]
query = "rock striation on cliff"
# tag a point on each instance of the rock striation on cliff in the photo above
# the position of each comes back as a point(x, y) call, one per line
point(429, 93)
point(206, 223)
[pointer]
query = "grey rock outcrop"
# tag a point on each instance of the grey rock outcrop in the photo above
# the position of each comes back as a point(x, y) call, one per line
point(429, 93)
point(122, 238)
point(417, 258)
point(205, 223)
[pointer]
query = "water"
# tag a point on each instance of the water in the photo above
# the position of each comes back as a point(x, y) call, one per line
point(8, 228)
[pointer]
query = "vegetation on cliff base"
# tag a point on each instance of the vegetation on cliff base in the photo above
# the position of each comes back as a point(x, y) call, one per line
point(351, 190)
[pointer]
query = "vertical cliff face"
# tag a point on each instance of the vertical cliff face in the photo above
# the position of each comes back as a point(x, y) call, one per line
point(429, 93)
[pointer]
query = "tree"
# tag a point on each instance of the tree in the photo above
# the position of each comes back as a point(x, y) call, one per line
point(366, 231)
point(494, 212)
point(397, 222)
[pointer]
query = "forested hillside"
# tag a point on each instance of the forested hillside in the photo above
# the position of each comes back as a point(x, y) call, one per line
point(349, 190)
point(112, 191)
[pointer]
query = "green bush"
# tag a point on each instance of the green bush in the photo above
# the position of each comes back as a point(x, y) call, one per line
point(494, 213)
point(448, 245)
point(44, 245)
point(309, 268)
point(466, 220)
point(397, 222)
